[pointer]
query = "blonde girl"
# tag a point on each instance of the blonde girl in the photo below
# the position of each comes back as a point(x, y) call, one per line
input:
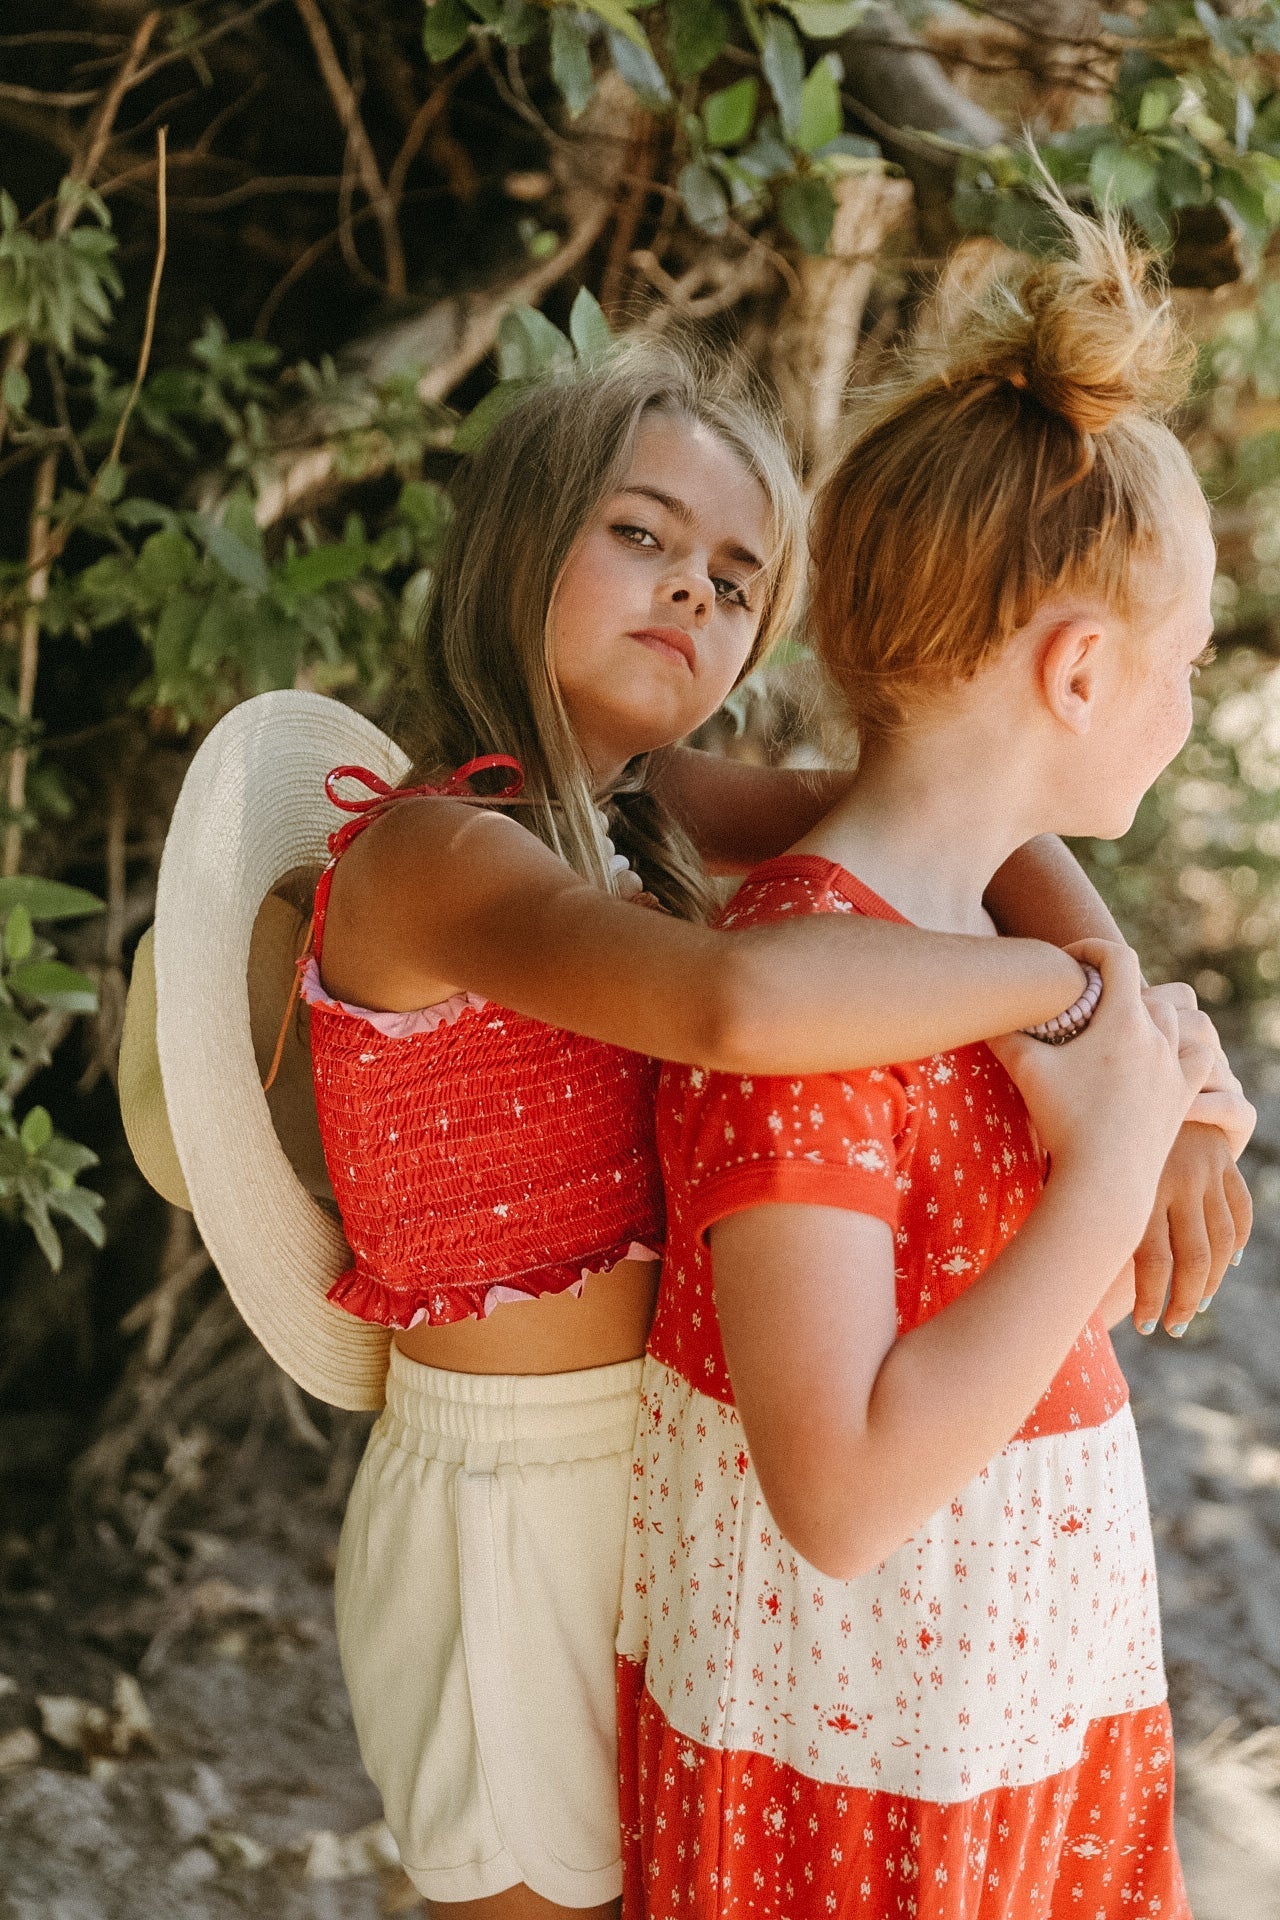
point(889, 1639)
point(487, 1004)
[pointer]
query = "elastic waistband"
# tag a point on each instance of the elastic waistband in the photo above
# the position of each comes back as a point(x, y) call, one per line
point(487, 1420)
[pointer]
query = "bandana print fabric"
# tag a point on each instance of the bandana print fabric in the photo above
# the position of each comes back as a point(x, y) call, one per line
point(978, 1726)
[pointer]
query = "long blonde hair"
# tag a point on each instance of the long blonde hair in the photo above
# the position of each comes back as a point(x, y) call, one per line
point(485, 683)
point(1021, 453)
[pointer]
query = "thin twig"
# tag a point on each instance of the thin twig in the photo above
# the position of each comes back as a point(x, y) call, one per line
point(36, 97)
point(423, 121)
point(54, 36)
point(38, 560)
point(100, 131)
point(153, 297)
point(348, 111)
point(58, 387)
point(634, 199)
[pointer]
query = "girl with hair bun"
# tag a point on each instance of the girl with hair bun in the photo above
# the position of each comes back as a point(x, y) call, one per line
point(486, 997)
point(889, 1640)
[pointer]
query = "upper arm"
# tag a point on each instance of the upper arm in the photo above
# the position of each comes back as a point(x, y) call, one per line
point(1042, 893)
point(805, 1299)
point(738, 814)
point(436, 897)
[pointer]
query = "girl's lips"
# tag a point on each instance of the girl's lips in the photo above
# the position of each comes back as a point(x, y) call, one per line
point(669, 640)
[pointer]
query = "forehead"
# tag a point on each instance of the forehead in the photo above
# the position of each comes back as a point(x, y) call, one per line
point(688, 461)
point(1171, 587)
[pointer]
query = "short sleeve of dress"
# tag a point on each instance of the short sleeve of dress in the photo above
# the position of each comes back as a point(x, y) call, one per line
point(825, 1140)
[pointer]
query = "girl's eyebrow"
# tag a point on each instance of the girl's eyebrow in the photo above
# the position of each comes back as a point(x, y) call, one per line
point(683, 512)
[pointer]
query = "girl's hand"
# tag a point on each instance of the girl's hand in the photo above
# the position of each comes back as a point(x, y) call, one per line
point(1108, 1105)
point(1221, 1102)
point(1198, 1227)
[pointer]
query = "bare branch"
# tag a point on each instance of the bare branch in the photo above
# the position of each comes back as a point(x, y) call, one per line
point(423, 121)
point(39, 556)
point(360, 146)
point(153, 297)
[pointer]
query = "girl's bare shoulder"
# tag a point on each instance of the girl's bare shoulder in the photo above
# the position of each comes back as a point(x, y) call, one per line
point(402, 885)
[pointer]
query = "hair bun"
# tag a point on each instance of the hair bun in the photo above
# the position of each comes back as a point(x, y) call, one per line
point(1090, 333)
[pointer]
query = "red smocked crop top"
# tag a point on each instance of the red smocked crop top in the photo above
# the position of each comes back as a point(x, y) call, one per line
point(476, 1155)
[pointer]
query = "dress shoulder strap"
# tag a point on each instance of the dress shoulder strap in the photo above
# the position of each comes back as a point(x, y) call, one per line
point(378, 796)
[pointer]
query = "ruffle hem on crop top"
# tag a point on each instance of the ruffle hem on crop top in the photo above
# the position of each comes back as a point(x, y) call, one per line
point(476, 1156)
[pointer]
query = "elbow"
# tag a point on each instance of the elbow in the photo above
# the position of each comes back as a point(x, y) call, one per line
point(832, 1552)
point(831, 1534)
point(739, 1018)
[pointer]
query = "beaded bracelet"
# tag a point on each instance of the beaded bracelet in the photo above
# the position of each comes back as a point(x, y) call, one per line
point(1067, 1026)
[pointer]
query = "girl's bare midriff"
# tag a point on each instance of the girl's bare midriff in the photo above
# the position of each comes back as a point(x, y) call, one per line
point(558, 1333)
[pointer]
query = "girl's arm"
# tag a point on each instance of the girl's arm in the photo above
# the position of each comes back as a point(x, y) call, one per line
point(437, 897)
point(857, 1436)
point(738, 814)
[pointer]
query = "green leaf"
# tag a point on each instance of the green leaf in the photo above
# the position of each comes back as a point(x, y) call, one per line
point(636, 65)
point(35, 1211)
point(826, 19)
point(483, 417)
point(83, 1208)
point(518, 23)
point(616, 14)
point(16, 389)
point(19, 934)
point(324, 566)
point(110, 482)
point(244, 564)
point(46, 899)
point(529, 344)
point(589, 331)
point(807, 209)
point(705, 199)
point(697, 32)
point(54, 984)
point(445, 26)
point(1119, 174)
point(729, 115)
point(766, 157)
point(427, 510)
point(69, 1158)
point(175, 631)
point(571, 61)
point(36, 1130)
point(820, 114)
point(783, 64)
point(1249, 201)
point(165, 561)
point(1157, 104)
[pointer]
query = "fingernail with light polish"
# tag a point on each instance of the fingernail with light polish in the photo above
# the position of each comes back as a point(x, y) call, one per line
point(1205, 1305)
point(1147, 1326)
point(1177, 1332)
point(1236, 1258)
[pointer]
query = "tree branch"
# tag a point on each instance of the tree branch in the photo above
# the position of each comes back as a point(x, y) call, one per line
point(360, 147)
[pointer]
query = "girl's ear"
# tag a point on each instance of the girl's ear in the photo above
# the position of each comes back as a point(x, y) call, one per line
point(1070, 663)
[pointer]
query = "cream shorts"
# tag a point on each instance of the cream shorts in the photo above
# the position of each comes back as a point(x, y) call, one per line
point(477, 1593)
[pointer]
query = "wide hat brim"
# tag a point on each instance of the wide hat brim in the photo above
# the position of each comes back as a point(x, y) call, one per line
point(252, 810)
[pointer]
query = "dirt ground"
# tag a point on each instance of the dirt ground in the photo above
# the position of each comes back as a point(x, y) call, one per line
point(175, 1739)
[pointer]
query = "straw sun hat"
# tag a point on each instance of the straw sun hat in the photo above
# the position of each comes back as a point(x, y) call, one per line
point(247, 839)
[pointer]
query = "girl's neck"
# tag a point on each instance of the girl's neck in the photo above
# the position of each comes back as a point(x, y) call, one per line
point(933, 814)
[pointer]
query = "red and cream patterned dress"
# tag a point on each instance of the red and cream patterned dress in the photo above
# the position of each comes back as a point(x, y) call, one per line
point(978, 1726)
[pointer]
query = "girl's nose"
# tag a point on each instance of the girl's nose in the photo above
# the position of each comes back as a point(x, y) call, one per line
point(693, 593)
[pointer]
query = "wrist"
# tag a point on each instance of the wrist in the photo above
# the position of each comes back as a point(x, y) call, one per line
point(1067, 1026)
point(1054, 982)
point(1081, 1178)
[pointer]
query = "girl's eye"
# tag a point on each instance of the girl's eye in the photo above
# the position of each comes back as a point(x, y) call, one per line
point(733, 592)
point(1203, 659)
point(633, 535)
